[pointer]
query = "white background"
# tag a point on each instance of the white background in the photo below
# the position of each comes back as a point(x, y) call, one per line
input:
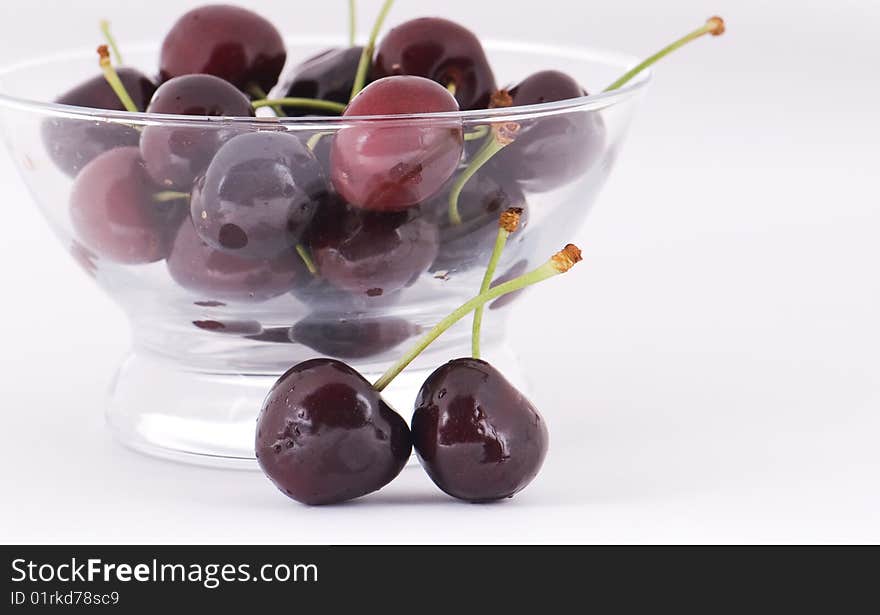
point(711, 373)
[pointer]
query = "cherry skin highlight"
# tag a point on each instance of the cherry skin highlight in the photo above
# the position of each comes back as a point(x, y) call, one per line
point(440, 50)
point(73, 143)
point(325, 436)
point(113, 212)
point(219, 275)
point(386, 165)
point(226, 41)
point(176, 155)
point(371, 253)
point(476, 436)
point(327, 76)
point(550, 152)
point(258, 195)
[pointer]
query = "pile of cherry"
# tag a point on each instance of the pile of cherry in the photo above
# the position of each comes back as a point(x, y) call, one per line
point(341, 218)
point(248, 210)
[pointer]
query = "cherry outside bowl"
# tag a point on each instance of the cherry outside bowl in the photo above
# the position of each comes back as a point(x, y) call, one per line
point(211, 332)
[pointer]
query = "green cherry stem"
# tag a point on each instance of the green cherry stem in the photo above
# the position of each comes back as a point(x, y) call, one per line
point(500, 137)
point(360, 77)
point(479, 133)
point(507, 224)
point(257, 92)
point(260, 94)
point(113, 79)
point(169, 195)
point(559, 263)
point(308, 103)
point(306, 259)
point(713, 26)
point(108, 36)
point(352, 22)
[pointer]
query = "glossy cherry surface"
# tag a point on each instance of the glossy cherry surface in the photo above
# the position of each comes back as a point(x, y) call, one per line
point(346, 336)
point(216, 274)
point(389, 165)
point(481, 202)
point(258, 195)
point(552, 151)
point(371, 253)
point(327, 76)
point(113, 212)
point(325, 435)
point(176, 155)
point(229, 42)
point(73, 143)
point(440, 50)
point(477, 437)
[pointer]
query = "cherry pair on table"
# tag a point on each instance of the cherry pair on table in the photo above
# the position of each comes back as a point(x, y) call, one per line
point(325, 435)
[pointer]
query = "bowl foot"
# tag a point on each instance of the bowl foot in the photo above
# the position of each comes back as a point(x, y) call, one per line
point(161, 409)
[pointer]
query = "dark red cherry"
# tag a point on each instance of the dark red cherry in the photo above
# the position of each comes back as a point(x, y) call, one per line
point(325, 435)
point(327, 76)
point(481, 202)
point(347, 336)
point(217, 274)
point(73, 143)
point(544, 87)
point(371, 253)
point(226, 41)
point(389, 165)
point(176, 155)
point(440, 50)
point(477, 437)
point(113, 211)
point(258, 194)
point(551, 151)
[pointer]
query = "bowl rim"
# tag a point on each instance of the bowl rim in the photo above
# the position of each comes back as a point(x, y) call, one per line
point(591, 102)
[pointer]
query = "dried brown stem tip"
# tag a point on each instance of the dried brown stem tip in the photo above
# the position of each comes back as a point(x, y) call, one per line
point(717, 25)
point(501, 100)
point(567, 258)
point(104, 54)
point(510, 219)
point(506, 133)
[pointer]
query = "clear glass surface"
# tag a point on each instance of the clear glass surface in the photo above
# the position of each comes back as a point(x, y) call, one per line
point(202, 359)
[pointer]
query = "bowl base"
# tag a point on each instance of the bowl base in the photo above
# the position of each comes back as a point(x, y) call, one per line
point(161, 409)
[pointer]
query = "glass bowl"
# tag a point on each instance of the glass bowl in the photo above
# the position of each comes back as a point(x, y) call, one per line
point(213, 330)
